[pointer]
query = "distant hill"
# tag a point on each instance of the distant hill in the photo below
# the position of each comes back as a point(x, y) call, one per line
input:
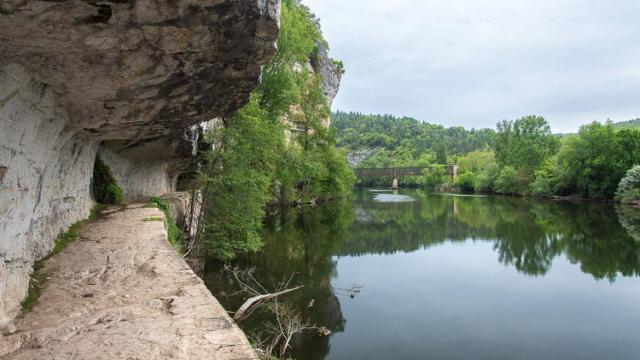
point(392, 140)
point(629, 124)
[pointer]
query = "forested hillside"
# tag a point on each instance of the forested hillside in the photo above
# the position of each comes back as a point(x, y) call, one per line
point(404, 141)
point(629, 124)
point(520, 157)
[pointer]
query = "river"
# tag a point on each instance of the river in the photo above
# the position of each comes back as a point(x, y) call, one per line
point(414, 275)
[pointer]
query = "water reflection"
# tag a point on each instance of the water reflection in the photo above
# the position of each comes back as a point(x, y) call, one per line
point(525, 234)
point(300, 242)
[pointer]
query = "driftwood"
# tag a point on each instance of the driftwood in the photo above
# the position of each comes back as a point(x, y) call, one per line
point(253, 303)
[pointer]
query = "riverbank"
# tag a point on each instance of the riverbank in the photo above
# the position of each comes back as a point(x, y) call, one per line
point(122, 292)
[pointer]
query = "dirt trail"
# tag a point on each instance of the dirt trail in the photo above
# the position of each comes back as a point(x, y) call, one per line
point(121, 292)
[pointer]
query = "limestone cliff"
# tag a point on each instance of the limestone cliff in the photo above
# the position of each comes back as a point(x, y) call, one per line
point(319, 63)
point(329, 70)
point(123, 78)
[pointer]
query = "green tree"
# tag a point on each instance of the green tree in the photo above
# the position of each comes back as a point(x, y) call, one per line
point(253, 164)
point(507, 182)
point(524, 143)
point(475, 161)
point(466, 182)
point(433, 176)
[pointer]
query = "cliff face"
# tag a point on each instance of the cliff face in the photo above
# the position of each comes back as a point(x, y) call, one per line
point(321, 64)
point(123, 78)
point(331, 75)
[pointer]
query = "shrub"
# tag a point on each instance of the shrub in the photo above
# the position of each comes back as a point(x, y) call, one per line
point(541, 186)
point(629, 187)
point(466, 182)
point(507, 182)
point(485, 180)
point(433, 176)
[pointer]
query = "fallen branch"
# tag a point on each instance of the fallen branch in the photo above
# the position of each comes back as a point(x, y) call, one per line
point(253, 303)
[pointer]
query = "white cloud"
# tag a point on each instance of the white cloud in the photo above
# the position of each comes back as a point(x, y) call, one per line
point(473, 63)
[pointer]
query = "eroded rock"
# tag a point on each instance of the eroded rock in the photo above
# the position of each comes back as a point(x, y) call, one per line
point(125, 78)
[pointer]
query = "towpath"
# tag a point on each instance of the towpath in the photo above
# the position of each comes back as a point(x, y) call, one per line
point(122, 292)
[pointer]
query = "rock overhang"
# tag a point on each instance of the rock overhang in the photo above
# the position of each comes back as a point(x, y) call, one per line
point(141, 68)
point(125, 78)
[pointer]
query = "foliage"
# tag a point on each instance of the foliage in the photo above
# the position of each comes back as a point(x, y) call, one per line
point(253, 163)
point(629, 187)
point(175, 234)
point(523, 156)
point(405, 142)
point(105, 187)
point(524, 143)
point(486, 178)
point(236, 195)
point(508, 181)
point(475, 161)
point(466, 182)
point(591, 163)
point(433, 176)
point(357, 131)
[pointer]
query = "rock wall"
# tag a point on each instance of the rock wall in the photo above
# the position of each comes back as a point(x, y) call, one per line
point(331, 74)
point(45, 185)
point(123, 78)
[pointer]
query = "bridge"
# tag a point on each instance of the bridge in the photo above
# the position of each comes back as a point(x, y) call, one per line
point(394, 172)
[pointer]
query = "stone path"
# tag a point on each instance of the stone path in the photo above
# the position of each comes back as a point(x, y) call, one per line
point(121, 292)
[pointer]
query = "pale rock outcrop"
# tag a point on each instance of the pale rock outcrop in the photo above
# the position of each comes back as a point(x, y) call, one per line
point(123, 78)
point(328, 68)
point(321, 64)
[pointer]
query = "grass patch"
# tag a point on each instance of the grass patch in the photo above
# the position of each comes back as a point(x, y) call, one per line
point(69, 236)
point(153, 219)
point(175, 234)
point(151, 206)
point(38, 277)
point(36, 283)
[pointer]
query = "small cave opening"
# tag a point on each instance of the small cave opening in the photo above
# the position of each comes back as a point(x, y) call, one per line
point(102, 17)
point(186, 181)
point(104, 187)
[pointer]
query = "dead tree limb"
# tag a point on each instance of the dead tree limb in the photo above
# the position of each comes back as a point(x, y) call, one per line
point(253, 303)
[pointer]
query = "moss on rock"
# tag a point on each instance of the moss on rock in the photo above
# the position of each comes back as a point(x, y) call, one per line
point(105, 187)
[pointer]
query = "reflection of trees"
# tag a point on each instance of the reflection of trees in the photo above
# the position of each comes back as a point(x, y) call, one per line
point(526, 234)
point(629, 217)
point(298, 242)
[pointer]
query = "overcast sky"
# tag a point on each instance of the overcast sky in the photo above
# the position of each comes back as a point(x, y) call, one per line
point(475, 62)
